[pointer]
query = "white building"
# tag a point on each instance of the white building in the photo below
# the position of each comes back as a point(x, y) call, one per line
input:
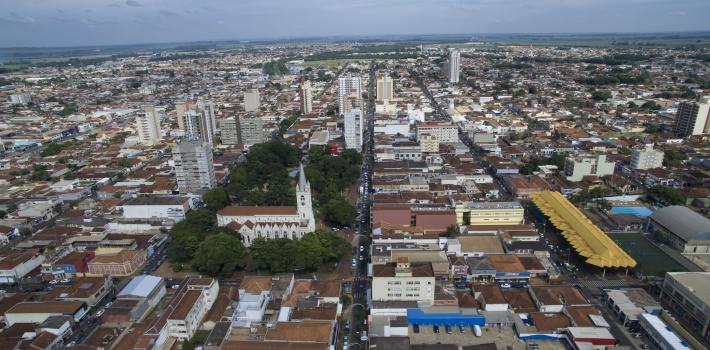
point(578, 167)
point(270, 222)
point(693, 118)
point(39, 311)
point(251, 100)
point(443, 131)
point(17, 264)
point(353, 125)
point(160, 208)
point(306, 95)
point(197, 120)
point(21, 99)
point(453, 65)
point(403, 282)
point(148, 126)
point(646, 158)
point(254, 296)
point(348, 86)
point(194, 167)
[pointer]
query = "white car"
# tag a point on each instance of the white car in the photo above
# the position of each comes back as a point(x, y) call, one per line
point(505, 285)
point(65, 280)
point(101, 312)
point(53, 282)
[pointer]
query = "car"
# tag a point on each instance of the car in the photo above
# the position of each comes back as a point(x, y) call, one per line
point(175, 286)
point(53, 282)
point(65, 280)
point(637, 335)
point(354, 262)
point(361, 258)
point(345, 344)
point(101, 312)
point(436, 329)
point(71, 343)
point(362, 248)
point(644, 346)
point(108, 305)
point(505, 285)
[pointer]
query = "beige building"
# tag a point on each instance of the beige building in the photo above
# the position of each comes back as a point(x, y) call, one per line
point(123, 263)
point(428, 144)
point(403, 281)
point(693, 118)
point(646, 158)
point(306, 97)
point(385, 88)
point(148, 126)
point(489, 213)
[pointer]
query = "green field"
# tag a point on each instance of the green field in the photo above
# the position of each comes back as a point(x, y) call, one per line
point(652, 261)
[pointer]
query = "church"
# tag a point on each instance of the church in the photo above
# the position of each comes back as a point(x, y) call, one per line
point(270, 222)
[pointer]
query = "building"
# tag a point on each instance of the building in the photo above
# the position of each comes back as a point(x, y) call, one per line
point(228, 131)
point(385, 88)
point(661, 334)
point(122, 263)
point(353, 129)
point(197, 121)
point(270, 222)
point(157, 208)
point(348, 86)
point(39, 311)
point(148, 126)
point(681, 228)
point(489, 213)
point(589, 338)
point(194, 168)
point(444, 132)
point(687, 297)
point(21, 99)
point(306, 94)
point(89, 290)
point(629, 303)
point(142, 293)
point(693, 118)
point(576, 168)
point(646, 158)
point(453, 66)
point(16, 264)
point(250, 130)
point(252, 100)
point(403, 281)
point(428, 143)
point(254, 296)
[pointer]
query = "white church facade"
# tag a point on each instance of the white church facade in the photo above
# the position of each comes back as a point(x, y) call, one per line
point(271, 222)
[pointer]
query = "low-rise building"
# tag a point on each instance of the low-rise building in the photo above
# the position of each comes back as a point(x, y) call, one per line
point(681, 228)
point(157, 208)
point(489, 213)
point(39, 311)
point(403, 281)
point(17, 264)
point(123, 263)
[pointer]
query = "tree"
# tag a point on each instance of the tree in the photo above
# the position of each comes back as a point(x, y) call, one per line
point(601, 95)
point(451, 231)
point(603, 204)
point(338, 212)
point(216, 198)
point(3, 214)
point(667, 194)
point(220, 254)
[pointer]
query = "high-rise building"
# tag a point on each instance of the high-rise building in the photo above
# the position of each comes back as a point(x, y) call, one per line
point(251, 100)
point(353, 129)
point(352, 101)
point(646, 158)
point(194, 168)
point(197, 120)
point(148, 126)
point(453, 65)
point(385, 88)
point(348, 86)
point(250, 130)
point(21, 99)
point(228, 131)
point(576, 168)
point(693, 118)
point(306, 97)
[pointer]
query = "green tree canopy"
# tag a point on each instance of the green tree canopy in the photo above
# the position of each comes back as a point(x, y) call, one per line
point(216, 198)
point(339, 212)
point(220, 254)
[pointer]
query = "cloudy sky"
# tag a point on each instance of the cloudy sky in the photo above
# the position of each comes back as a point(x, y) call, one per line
point(101, 22)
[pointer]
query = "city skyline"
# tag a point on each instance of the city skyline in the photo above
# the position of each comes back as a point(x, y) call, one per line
point(40, 23)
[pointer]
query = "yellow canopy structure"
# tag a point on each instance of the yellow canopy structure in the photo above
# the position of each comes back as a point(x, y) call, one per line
point(586, 238)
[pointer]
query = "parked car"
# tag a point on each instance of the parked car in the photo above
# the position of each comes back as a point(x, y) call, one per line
point(505, 285)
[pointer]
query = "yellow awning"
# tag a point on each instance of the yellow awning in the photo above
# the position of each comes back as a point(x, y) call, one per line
point(586, 238)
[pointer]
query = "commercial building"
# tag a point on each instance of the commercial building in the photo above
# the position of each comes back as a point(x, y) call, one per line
point(576, 168)
point(148, 126)
point(136, 299)
point(122, 263)
point(353, 129)
point(693, 118)
point(348, 86)
point(442, 131)
point(403, 281)
point(17, 264)
point(687, 296)
point(629, 303)
point(197, 120)
point(646, 158)
point(681, 228)
point(194, 168)
point(89, 290)
point(306, 95)
point(661, 334)
point(489, 213)
point(252, 100)
point(250, 130)
point(385, 88)
point(453, 65)
point(39, 311)
point(157, 208)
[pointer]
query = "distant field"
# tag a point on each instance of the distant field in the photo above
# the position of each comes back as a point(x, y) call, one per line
point(328, 63)
point(652, 261)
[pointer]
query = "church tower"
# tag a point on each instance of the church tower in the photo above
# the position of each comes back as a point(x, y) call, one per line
point(303, 200)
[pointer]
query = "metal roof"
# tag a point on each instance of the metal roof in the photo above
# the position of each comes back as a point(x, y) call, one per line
point(140, 286)
point(683, 222)
point(586, 238)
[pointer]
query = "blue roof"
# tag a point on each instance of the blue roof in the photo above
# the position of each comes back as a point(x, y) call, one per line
point(419, 317)
point(141, 286)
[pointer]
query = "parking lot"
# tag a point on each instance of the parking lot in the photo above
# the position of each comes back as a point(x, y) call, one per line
point(502, 336)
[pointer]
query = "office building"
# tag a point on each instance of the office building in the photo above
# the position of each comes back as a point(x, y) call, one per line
point(403, 281)
point(576, 168)
point(489, 213)
point(197, 120)
point(385, 88)
point(194, 169)
point(251, 100)
point(693, 118)
point(442, 131)
point(228, 131)
point(250, 130)
point(352, 101)
point(306, 97)
point(148, 126)
point(646, 158)
point(348, 86)
point(353, 123)
point(687, 296)
point(453, 65)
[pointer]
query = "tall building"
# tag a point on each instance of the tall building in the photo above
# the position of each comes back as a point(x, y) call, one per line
point(250, 130)
point(348, 86)
point(385, 88)
point(693, 118)
point(353, 121)
point(228, 131)
point(197, 120)
point(576, 168)
point(194, 168)
point(148, 126)
point(646, 158)
point(251, 100)
point(453, 65)
point(306, 97)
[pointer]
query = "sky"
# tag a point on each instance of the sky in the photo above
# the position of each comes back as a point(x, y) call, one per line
point(41, 23)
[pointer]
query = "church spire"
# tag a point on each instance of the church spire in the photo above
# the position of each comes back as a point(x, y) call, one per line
point(301, 178)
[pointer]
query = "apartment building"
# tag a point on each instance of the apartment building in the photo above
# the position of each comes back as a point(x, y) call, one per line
point(252, 100)
point(443, 132)
point(403, 281)
point(148, 126)
point(576, 168)
point(353, 125)
point(194, 167)
point(646, 158)
point(693, 118)
point(385, 88)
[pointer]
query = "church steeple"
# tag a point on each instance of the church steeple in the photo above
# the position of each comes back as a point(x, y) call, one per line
point(303, 199)
point(302, 182)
